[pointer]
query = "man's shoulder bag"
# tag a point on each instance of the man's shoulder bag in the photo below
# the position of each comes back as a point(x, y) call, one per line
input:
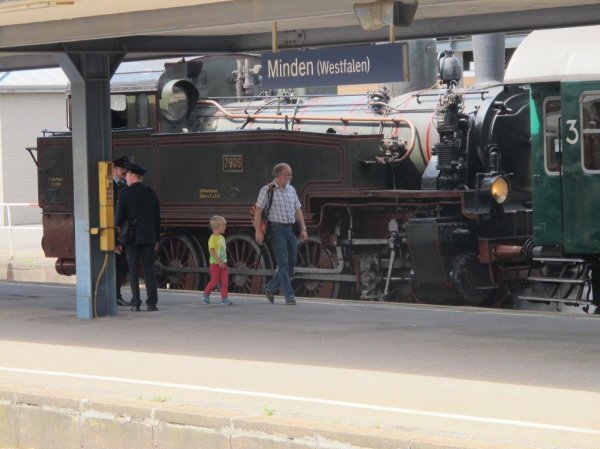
point(265, 213)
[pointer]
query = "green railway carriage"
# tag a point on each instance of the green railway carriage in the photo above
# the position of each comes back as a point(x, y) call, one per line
point(566, 167)
point(564, 83)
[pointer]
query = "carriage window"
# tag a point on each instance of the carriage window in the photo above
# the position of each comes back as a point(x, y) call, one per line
point(590, 124)
point(551, 138)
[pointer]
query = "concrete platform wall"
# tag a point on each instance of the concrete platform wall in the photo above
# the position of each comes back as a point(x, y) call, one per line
point(39, 419)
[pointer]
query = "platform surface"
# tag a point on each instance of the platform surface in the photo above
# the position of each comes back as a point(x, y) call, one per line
point(486, 377)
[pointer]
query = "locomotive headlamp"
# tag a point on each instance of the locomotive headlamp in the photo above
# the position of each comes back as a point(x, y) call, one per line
point(176, 97)
point(494, 188)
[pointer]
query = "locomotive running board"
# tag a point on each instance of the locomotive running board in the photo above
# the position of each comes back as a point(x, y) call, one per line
point(316, 274)
point(557, 260)
point(564, 301)
point(558, 280)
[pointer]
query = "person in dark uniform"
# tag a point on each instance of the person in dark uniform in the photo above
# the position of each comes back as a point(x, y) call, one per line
point(138, 205)
point(119, 170)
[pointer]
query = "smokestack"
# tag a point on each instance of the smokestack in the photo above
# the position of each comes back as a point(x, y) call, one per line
point(488, 54)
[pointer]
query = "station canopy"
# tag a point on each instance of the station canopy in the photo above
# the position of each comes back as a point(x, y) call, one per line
point(32, 30)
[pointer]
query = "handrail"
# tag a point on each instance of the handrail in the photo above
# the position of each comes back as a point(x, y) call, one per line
point(316, 118)
point(10, 226)
point(30, 150)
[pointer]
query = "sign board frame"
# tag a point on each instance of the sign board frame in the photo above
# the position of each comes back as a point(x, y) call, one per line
point(334, 66)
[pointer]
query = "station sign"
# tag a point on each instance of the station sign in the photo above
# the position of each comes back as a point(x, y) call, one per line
point(334, 66)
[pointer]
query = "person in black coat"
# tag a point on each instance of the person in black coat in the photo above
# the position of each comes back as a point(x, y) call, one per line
point(138, 205)
point(119, 170)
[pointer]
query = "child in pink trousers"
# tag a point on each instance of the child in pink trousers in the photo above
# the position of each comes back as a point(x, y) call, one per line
point(218, 261)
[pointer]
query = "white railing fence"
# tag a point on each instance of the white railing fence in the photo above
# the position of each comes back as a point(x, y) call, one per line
point(9, 224)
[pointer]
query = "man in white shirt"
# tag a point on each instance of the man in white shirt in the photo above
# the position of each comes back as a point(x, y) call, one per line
point(284, 209)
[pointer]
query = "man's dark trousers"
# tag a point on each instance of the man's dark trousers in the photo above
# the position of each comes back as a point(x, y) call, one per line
point(133, 252)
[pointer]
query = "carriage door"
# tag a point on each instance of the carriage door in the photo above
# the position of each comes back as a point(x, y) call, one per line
point(581, 167)
point(546, 165)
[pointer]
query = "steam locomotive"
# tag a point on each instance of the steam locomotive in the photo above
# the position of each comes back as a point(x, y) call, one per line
point(426, 196)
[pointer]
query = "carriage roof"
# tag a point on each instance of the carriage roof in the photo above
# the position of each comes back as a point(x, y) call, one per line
point(563, 54)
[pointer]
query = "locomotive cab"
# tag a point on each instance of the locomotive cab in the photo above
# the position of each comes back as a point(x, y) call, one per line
point(159, 96)
point(133, 112)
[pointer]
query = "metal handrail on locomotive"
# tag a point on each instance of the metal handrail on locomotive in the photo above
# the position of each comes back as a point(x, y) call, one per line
point(425, 196)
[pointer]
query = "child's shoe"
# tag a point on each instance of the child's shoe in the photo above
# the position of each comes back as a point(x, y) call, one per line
point(205, 299)
point(226, 302)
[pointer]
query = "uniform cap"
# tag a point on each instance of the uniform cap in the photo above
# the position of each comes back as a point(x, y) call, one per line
point(135, 168)
point(121, 162)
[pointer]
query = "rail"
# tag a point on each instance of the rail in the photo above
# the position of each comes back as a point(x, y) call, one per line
point(10, 226)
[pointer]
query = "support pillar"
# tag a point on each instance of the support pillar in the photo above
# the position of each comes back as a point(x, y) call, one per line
point(90, 75)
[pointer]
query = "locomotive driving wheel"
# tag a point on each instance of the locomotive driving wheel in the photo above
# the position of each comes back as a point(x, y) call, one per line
point(244, 253)
point(471, 279)
point(312, 254)
point(179, 251)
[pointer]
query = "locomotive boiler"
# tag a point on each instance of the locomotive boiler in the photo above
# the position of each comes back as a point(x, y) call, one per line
point(424, 196)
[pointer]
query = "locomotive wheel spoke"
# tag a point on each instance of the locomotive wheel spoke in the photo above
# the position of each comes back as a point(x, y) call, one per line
point(244, 252)
point(180, 251)
point(312, 254)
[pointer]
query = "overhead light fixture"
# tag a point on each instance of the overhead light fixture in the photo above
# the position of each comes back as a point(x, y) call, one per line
point(22, 5)
point(376, 15)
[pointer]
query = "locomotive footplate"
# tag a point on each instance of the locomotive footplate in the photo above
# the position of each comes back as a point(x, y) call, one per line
point(316, 274)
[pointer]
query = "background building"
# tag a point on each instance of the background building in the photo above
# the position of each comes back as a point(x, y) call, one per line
point(30, 101)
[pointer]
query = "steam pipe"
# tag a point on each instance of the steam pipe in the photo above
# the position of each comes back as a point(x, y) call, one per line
point(316, 118)
point(508, 252)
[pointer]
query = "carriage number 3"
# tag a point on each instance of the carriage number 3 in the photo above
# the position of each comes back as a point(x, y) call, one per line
point(572, 132)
